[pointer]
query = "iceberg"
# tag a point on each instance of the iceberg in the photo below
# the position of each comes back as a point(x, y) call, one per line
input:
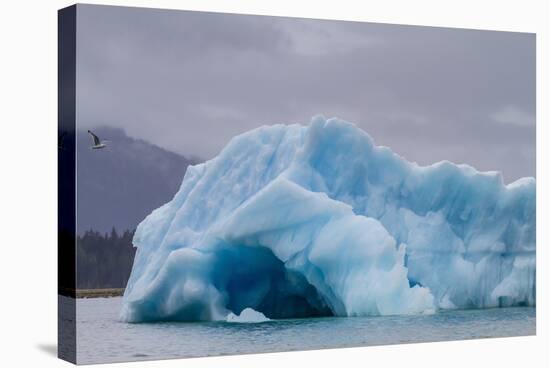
point(301, 221)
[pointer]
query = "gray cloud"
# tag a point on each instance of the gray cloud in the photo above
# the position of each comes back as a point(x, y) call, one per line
point(189, 81)
point(512, 115)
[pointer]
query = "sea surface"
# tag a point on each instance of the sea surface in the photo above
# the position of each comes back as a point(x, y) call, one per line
point(102, 338)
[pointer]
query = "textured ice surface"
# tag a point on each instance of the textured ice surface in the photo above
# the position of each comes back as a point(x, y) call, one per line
point(315, 220)
point(248, 315)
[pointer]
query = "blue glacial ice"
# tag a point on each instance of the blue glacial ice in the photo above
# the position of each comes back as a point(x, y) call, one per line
point(301, 221)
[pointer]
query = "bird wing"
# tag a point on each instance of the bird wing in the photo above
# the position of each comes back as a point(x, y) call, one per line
point(96, 138)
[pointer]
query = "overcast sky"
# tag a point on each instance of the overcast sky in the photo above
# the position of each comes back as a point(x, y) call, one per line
point(189, 81)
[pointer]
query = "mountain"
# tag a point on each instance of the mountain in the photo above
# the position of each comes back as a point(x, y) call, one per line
point(118, 186)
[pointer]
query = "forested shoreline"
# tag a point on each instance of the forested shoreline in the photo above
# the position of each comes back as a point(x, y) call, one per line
point(104, 260)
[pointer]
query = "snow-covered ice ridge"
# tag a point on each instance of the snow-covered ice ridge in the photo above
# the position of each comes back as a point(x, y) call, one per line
point(296, 221)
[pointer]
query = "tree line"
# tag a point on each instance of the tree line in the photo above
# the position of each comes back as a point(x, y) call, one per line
point(104, 260)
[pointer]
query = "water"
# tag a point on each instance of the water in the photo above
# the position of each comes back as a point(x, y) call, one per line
point(102, 338)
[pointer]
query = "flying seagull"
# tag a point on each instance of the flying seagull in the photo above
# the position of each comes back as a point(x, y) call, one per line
point(97, 142)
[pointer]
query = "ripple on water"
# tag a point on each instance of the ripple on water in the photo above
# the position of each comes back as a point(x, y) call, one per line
point(102, 338)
